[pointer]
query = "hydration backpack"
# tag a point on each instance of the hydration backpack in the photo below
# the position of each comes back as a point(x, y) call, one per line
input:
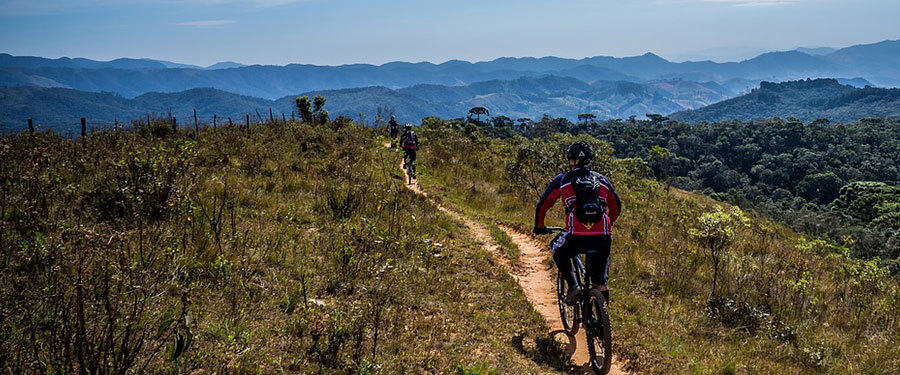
point(589, 207)
point(410, 141)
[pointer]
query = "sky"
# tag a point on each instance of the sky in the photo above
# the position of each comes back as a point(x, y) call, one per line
point(333, 32)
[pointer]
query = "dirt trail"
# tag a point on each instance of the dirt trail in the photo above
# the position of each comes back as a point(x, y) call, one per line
point(532, 274)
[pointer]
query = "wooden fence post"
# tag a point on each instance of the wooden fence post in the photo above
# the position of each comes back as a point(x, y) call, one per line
point(283, 118)
point(83, 127)
point(230, 123)
point(30, 126)
point(148, 119)
point(174, 125)
point(196, 126)
point(116, 126)
point(271, 117)
point(215, 117)
point(248, 121)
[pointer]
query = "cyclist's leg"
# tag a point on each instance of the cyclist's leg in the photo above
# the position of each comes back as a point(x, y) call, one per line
point(563, 252)
point(598, 259)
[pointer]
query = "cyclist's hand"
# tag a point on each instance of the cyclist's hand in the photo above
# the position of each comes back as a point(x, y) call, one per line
point(540, 230)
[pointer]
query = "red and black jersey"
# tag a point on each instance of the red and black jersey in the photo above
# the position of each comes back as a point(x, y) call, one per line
point(409, 141)
point(561, 188)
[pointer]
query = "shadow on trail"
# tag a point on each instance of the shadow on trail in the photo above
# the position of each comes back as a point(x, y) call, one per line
point(553, 349)
point(545, 349)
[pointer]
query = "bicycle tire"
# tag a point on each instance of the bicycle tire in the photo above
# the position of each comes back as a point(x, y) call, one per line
point(598, 332)
point(570, 323)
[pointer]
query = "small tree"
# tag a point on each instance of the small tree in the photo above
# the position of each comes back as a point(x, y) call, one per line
point(656, 118)
point(318, 103)
point(715, 231)
point(523, 123)
point(321, 116)
point(659, 158)
point(304, 106)
point(478, 112)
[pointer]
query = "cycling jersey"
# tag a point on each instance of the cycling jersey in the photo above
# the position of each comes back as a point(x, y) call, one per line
point(393, 127)
point(409, 141)
point(561, 188)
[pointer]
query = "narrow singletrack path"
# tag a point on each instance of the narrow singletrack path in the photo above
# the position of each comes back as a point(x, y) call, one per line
point(533, 275)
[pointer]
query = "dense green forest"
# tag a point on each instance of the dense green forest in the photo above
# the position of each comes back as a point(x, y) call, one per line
point(807, 100)
point(840, 182)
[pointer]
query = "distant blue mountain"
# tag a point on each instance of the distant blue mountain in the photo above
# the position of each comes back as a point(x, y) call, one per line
point(59, 108)
point(225, 65)
point(878, 63)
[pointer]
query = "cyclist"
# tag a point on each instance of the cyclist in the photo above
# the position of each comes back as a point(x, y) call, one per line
point(409, 141)
point(394, 129)
point(591, 206)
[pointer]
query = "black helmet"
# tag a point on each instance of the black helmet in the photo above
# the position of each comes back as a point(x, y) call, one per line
point(582, 152)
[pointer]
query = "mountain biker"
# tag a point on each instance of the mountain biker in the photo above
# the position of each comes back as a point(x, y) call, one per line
point(394, 129)
point(409, 141)
point(591, 206)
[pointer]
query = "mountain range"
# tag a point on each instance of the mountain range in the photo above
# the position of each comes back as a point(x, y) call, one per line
point(55, 92)
point(59, 108)
point(878, 63)
point(523, 97)
point(10, 61)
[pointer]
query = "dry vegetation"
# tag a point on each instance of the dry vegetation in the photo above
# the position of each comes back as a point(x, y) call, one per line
point(295, 248)
point(283, 248)
point(783, 303)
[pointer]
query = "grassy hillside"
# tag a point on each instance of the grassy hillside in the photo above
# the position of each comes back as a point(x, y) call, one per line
point(296, 248)
point(784, 303)
point(279, 249)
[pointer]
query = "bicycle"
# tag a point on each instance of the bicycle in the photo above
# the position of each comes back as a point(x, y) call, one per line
point(410, 167)
point(590, 311)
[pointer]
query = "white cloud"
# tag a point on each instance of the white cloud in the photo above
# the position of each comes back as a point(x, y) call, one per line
point(205, 23)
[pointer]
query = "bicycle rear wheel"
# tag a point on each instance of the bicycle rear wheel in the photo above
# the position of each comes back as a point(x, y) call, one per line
point(598, 332)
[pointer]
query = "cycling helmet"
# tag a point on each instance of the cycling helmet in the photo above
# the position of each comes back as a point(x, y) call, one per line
point(580, 151)
point(407, 126)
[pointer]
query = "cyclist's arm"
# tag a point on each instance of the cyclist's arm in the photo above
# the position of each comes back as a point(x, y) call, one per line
point(547, 201)
point(612, 200)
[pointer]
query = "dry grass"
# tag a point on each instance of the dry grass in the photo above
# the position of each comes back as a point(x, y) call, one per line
point(785, 303)
point(282, 248)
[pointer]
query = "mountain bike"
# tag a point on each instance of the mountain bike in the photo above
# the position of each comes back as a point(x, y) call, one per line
point(590, 311)
point(410, 167)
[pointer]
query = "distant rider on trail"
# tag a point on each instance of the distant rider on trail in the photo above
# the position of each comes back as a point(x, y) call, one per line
point(394, 129)
point(591, 206)
point(409, 141)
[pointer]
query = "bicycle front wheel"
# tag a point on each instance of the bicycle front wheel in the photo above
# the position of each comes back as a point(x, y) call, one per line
point(568, 313)
point(598, 332)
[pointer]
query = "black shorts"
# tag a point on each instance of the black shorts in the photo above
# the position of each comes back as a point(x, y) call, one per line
point(596, 249)
point(411, 154)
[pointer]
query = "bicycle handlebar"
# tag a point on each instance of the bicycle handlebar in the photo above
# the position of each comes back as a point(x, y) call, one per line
point(554, 229)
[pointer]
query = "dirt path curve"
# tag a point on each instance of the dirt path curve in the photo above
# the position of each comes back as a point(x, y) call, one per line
point(533, 276)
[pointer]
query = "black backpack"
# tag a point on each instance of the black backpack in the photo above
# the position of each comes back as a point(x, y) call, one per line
point(410, 141)
point(589, 207)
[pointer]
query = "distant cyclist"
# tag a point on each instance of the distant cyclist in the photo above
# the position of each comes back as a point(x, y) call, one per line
point(591, 206)
point(409, 141)
point(394, 129)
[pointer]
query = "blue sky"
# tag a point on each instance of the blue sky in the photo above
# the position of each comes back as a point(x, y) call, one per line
point(377, 31)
